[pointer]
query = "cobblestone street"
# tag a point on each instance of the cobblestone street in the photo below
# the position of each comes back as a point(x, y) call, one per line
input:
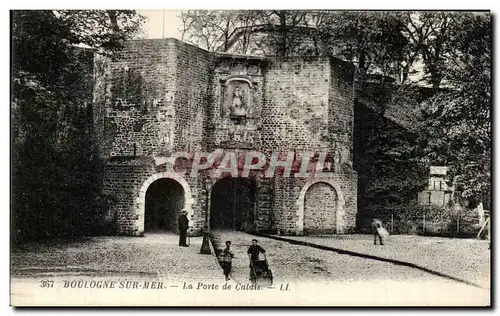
point(467, 259)
point(154, 256)
point(302, 264)
point(296, 263)
point(157, 257)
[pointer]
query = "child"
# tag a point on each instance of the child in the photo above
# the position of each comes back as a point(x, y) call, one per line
point(227, 257)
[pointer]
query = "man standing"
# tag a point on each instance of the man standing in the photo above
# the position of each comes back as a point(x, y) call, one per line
point(183, 227)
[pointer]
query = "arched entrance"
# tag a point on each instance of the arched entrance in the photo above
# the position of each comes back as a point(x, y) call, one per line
point(232, 204)
point(163, 203)
point(140, 202)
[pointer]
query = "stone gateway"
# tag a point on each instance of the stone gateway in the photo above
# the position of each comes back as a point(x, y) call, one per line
point(163, 96)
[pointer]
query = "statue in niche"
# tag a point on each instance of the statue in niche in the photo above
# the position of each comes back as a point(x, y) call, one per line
point(238, 107)
point(237, 100)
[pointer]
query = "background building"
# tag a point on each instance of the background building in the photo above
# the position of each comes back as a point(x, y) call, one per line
point(439, 191)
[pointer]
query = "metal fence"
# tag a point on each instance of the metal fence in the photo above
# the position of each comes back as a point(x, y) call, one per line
point(457, 225)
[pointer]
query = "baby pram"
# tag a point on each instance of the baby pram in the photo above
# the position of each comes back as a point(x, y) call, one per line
point(259, 271)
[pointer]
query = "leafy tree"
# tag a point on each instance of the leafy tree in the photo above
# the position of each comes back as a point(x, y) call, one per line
point(366, 38)
point(456, 126)
point(285, 30)
point(386, 156)
point(430, 41)
point(45, 42)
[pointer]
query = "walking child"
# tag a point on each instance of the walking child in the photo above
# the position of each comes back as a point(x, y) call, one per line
point(227, 260)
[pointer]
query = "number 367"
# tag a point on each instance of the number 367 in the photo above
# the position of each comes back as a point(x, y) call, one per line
point(44, 283)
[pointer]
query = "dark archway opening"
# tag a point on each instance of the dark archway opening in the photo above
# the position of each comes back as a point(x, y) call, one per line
point(233, 204)
point(164, 203)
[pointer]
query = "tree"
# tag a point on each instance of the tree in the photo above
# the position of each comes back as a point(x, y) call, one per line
point(282, 31)
point(366, 38)
point(214, 29)
point(205, 28)
point(44, 42)
point(429, 35)
point(52, 53)
point(455, 128)
point(450, 122)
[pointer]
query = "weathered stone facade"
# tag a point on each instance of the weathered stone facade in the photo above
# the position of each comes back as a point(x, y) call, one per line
point(164, 96)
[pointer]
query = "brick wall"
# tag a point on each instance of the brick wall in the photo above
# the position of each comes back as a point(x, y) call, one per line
point(309, 106)
point(219, 128)
point(121, 184)
point(348, 182)
point(193, 68)
point(287, 193)
point(122, 181)
point(295, 111)
point(341, 110)
point(163, 96)
point(149, 102)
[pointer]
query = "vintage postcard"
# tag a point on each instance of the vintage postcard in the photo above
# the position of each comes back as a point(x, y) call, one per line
point(250, 158)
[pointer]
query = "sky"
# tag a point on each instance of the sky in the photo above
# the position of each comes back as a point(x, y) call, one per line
point(162, 19)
